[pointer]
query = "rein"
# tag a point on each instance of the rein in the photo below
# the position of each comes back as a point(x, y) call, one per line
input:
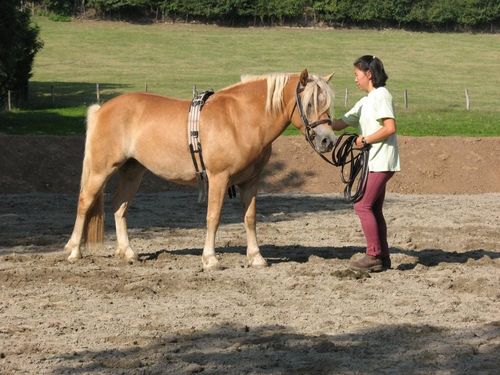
point(344, 153)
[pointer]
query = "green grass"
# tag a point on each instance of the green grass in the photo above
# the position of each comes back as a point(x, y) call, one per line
point(435, 68)
point(60, 121)
point(457, 123)
point(441, 123)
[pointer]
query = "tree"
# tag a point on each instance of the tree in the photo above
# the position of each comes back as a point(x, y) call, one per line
point(479, 12)
point(19, 42)
point(62, 7)
point(444, 13)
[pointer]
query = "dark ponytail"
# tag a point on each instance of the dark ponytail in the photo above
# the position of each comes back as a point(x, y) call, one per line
point(375, 66)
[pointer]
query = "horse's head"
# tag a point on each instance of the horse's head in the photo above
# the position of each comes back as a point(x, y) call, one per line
point(314, 98)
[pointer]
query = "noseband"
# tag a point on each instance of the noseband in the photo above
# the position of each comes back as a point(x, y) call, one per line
point(310, 133)
point(344, 153)
point(309, 126)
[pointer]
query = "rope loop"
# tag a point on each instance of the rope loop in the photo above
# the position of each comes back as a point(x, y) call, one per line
point(345, 154)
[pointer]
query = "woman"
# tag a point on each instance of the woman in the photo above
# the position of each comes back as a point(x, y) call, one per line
point(374, 114)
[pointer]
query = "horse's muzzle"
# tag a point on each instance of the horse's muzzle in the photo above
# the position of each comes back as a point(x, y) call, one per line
point(324, 144)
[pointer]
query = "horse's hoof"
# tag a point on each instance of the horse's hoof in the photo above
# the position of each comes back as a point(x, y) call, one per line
point(131, 257)
point(215, 267)
point(127, 254)
point(257, 261)
point(211, 264)
point(74, 257)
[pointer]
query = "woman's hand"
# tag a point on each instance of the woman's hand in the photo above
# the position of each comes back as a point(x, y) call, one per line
point(359, 141)
point(338, 124)
point(388, 128)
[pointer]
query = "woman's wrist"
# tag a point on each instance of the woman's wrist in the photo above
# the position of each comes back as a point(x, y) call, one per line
point(361, 141)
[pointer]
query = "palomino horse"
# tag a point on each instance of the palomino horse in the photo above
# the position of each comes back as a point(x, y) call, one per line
point(133, 132)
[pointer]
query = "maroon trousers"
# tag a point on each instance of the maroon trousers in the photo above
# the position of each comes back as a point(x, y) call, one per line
point(369, 211)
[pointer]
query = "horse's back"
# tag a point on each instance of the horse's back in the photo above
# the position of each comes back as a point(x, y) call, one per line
point(144, 106)
point(151, 129)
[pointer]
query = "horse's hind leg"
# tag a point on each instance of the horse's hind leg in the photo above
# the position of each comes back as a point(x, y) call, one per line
point(90, 195)
point(130, 175)
point(248, 194)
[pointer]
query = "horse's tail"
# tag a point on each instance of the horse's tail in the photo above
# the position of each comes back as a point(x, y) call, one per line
point(94, 223)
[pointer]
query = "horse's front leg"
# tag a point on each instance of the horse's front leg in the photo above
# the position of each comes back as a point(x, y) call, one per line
point(129, 180)
point(216, 191)
point(248, 194)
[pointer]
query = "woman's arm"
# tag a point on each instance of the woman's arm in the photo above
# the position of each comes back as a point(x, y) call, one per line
point(339, 124)
point(388, 128)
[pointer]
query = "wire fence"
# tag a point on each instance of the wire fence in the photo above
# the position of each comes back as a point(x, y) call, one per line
point(43, 95)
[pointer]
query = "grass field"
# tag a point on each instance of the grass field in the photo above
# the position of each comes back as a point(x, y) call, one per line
point(435, 68)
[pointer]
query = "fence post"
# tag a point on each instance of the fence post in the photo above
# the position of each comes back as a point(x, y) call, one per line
point(346, 95)
point(467, 100)
point(406, 98)
point(9, 102)
point(98, 94)
point(146, 87)
point(52, 95)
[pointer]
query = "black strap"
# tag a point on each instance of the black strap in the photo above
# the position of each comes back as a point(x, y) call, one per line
point(231, 191)
point(200, 99)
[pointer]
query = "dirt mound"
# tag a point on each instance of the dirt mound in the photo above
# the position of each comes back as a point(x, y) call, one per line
point(447, 165)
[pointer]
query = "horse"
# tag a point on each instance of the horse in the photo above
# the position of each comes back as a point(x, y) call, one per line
point(137, 131)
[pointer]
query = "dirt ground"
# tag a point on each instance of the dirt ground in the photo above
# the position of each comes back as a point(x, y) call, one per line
point(436, 311)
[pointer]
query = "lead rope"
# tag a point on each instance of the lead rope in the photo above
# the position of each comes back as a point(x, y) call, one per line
point(346, 154)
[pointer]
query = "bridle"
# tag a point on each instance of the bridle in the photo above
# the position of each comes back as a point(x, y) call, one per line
point(310, 133)
point(345, 153)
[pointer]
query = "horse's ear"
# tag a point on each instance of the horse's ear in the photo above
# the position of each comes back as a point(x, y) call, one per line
point(303, 77)
point(329, 77)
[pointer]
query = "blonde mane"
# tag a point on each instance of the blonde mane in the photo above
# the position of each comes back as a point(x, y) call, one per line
point(316, 98)
point(275, 84)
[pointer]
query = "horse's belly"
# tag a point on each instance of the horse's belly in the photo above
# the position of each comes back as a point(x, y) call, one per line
point(178, 178)
point(168, 165)
point(173, 172)
point(164, 151)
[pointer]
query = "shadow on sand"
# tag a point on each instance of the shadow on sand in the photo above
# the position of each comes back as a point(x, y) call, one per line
point(301, 254)
point(235, 349)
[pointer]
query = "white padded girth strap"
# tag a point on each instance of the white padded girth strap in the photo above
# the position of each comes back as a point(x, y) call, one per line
point(194, 124)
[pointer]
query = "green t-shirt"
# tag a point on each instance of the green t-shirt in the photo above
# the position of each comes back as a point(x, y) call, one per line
point(367, 113)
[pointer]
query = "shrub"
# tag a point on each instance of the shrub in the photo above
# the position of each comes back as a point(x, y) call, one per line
point(19, 43)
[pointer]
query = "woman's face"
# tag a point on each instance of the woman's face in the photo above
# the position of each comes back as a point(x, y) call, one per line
point(363, 79)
